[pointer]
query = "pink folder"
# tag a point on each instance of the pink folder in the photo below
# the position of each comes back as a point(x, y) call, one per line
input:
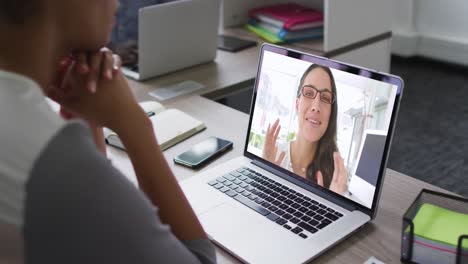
point(290, 16)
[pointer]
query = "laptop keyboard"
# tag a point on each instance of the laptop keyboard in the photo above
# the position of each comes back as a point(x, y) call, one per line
point(288, 208)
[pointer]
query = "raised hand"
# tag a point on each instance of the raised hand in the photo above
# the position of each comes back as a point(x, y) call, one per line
point(270, 149)
point(339, 183)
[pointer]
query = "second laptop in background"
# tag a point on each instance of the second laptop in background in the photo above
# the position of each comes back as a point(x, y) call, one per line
point(175, 35)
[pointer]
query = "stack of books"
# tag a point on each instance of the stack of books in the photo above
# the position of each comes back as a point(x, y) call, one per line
point(436, 234)
point(283, 23)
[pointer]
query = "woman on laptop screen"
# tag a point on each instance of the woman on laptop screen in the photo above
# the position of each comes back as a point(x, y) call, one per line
point(313, 154)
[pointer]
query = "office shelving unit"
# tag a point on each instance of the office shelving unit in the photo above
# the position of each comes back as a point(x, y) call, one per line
point(357, 32)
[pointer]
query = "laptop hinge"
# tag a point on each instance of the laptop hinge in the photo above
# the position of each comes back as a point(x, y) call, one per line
point(286, 175)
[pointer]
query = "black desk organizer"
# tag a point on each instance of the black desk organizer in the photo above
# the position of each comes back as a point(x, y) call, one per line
point(446, 201)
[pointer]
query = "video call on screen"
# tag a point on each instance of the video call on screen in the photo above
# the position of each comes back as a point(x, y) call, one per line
point(364, 108)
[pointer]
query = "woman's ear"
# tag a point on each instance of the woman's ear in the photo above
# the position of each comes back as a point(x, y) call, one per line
point(297, 104)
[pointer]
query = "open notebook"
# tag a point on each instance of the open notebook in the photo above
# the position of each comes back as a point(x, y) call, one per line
point(171, 126)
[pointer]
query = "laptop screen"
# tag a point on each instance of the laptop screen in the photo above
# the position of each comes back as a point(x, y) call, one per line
point(314, 117)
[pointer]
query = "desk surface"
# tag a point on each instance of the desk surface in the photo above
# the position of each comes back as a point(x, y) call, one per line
point(380, 238)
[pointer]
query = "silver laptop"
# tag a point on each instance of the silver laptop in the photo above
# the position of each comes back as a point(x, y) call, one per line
point(265, 212)
point(175, 35)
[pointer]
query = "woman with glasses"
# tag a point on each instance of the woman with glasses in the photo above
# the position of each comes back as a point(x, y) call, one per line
point(313, 154)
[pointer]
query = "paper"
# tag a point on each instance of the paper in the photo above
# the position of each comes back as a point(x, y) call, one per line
point(177, 89)
point(439, 224)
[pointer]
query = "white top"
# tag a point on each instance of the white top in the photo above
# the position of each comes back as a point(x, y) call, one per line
point(27, 124)
point(286, 163)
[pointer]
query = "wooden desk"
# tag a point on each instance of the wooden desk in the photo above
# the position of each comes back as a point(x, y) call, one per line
point(381, 238)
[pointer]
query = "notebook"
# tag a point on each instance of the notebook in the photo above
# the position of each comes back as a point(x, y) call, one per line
point(171, 126)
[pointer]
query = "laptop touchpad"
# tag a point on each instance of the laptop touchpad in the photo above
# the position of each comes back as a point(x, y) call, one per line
point(242, 230)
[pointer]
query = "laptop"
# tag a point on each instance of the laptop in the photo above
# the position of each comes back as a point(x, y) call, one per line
point(174, 36)
point(262, 212)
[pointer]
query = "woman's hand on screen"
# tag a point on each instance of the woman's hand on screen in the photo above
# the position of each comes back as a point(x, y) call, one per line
point(270, 149)
point(339, 183)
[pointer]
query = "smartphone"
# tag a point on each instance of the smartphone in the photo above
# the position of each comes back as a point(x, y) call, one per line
point(234, 44)
point(201, 153)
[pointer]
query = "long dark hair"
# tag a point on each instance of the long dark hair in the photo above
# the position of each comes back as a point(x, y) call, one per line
point(323, 159)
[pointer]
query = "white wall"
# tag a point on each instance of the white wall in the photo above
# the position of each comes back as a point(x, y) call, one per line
point(431, 28)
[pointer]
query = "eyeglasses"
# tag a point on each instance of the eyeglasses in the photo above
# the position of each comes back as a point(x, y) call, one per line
point(325, 96)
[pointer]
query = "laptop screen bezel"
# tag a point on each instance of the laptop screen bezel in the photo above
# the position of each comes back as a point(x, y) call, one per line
point(292, 177)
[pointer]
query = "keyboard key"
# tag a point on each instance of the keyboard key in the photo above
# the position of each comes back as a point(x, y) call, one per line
point(303, 209)
point(262, 195)
point(305, 218)
point(287, 216)
point(231, 193)
point(221, 179)
point(234, 186)
point(306, 204)
point(235, 174)
point(255, 191)
point(298, 214)
point(266, 204)
point(331, 216)
point(218, 185)
point(310, 213)
point(313, 202)
point(252, 196)
point(322, 206)
point(281, 221)
point(326, 221)
point(290, 210)
point(225, 189)
point(313, 207)
point(307, 198)
point(308, 227)
point(338, 214)
point(272, 208)
point(321, 226)
point(259, 200)
point(318, 217)
point(297, 230)
point(240, 190)
point(273, 217)
point(330, 210)
point(246, 193)
point(280, 212)
point(243, 184)
point(274, 194)
point(276, 202)
point(283, 206)
point(294, 220)
point(229, 177)
point(292, 196)
point(285, 193)
point(287, 227)
point(288, 202)
point(242, 178)
point(252, 205)
point(237, 181)
point(303, 235)
point(321, 211)
point(299, 200)
point(213, 182)
point(249, 188)
point(313, 222)
point(300, 195)
point(295, 205)
point(248, 180)
point(240, 170)
point(227, 183)
point(281, 198)
point(246, 173)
